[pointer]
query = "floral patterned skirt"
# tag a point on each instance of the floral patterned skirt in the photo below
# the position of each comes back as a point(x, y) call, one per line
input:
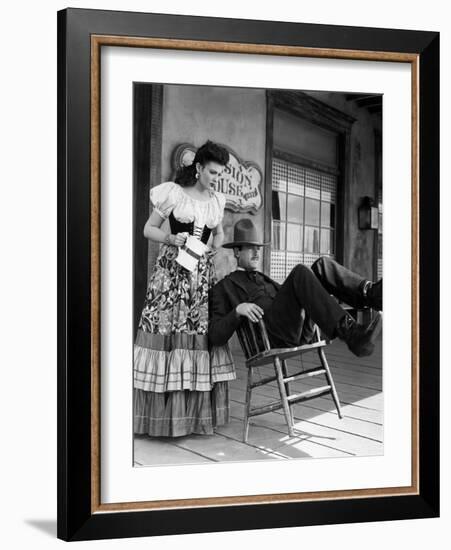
point(180, 383)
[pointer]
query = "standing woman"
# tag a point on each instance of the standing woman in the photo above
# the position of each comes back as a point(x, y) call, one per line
point(180, 386)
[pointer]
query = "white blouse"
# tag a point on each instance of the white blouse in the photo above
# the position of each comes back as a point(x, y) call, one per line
point(170, 197)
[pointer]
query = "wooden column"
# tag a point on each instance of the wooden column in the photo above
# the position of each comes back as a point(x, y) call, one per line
point(146, 170)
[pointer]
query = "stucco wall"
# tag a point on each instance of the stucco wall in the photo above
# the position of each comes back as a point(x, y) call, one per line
point(359, 247)
point(237, 118)
point(231, 116)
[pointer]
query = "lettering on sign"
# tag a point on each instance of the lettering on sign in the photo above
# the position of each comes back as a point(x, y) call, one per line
point(240, 180)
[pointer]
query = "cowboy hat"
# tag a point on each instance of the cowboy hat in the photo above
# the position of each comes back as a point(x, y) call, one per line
point(244, 233)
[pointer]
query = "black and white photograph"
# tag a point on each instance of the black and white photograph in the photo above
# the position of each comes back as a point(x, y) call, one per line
point(258, 274)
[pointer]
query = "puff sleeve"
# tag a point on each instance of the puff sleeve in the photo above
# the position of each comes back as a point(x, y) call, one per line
point(220, 205)
point(164, 198)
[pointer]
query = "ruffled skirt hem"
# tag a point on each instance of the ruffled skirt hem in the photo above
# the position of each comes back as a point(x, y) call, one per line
point(161, 370)
point(179, 413)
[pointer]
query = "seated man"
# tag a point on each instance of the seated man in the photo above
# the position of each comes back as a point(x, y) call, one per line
point(248, 293)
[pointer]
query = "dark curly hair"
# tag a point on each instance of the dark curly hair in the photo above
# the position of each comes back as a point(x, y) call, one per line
point(208, 152)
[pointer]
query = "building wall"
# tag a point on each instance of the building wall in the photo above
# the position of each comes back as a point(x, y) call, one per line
point(359, 248)
point(235, 117)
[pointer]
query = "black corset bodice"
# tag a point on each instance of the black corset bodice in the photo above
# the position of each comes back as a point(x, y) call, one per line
point(202, 233)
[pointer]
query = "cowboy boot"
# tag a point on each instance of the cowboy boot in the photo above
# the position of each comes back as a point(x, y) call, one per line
point(359, 338)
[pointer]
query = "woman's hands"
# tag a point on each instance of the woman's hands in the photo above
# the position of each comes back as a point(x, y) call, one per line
point(252, 311)
point(177, 240)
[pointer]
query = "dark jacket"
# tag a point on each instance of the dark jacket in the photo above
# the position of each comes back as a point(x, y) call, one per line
point(224, 297)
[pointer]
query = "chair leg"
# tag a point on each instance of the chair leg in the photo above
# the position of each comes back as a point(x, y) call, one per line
point(330, 381)
point(287, 388)
point(283, 396)
point(247, 405)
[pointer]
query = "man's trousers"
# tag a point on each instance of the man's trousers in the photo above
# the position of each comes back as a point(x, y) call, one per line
point(309, 290)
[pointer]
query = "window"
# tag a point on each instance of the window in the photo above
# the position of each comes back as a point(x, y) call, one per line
point(303, 216)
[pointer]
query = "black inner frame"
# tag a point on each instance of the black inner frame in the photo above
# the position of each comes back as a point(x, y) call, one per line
point(75, 520)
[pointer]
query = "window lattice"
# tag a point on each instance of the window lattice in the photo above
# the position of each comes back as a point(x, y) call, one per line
point(279, 176)
point(296, 179)
point(303, 216)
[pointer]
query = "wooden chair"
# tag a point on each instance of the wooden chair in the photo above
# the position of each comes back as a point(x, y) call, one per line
point(256, 346)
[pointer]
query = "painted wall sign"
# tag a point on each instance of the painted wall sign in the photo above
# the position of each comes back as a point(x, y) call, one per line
point(240, 181)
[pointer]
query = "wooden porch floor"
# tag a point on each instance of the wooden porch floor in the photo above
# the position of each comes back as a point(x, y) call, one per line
point(319, 431)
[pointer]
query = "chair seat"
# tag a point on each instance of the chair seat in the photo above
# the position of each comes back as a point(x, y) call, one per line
point(267, 357)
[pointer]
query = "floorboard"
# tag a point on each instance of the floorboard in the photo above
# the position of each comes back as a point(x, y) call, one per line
point(319, 433)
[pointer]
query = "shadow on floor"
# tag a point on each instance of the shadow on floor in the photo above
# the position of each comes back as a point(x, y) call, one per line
point(47, 526)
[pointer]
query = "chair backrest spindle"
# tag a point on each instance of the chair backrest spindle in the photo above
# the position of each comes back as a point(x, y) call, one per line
point(253, 337)
point(264, 334)
point(243, 336)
